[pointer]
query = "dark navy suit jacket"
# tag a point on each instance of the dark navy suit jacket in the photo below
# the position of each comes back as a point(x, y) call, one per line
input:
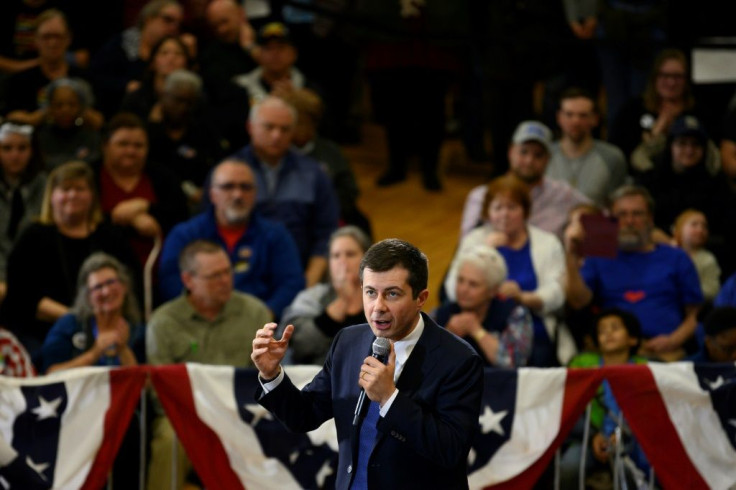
point(424, 439)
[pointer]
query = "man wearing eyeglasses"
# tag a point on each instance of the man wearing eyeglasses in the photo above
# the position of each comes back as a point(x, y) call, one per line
point(209, 323)
point(264, 257)
point(658, 283)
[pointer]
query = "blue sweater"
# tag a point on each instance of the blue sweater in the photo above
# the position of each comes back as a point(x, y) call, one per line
point(304, 201)
point(265, 260)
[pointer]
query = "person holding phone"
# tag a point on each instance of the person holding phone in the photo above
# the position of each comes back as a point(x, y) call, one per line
point(656, 282)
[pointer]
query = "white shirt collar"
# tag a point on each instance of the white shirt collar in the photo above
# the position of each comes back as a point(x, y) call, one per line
point(405, 346)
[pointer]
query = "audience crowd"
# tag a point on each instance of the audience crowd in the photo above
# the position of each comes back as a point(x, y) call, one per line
point(205, 138)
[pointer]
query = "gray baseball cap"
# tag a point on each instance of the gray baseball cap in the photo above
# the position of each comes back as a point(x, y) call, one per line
point(533, 131)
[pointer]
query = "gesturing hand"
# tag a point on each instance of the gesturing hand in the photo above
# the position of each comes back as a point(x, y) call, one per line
point(268, 352)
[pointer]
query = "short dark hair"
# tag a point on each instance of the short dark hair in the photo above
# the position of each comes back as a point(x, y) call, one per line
point(719, 320)
point(630, 321)
point(121, 120)
point(392, 252)
point(578, 93)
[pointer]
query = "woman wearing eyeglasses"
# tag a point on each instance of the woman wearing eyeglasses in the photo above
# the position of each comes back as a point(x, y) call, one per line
point(103, 327)
point(646, 120)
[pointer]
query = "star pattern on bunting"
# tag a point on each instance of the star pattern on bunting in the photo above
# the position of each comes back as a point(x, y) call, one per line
point(37, 467)
point(47, 409)
point(259, 413)
point(490, 421)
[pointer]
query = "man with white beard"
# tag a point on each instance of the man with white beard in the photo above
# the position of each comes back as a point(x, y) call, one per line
point(263, 254)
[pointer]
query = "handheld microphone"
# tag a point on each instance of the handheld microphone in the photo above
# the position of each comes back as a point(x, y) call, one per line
point(381, 348)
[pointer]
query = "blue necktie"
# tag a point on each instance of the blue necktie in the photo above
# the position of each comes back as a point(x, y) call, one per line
point(366, 442)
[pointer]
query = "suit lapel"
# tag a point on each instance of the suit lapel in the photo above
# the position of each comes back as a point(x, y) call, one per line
point(417, 366)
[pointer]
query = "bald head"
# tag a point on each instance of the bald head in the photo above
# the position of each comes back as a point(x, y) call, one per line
point(225, 18)
point(271, 127)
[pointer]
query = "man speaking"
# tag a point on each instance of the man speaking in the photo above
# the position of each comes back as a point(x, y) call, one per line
point(422, 405)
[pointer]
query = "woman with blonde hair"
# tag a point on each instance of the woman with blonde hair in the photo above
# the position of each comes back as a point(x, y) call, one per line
point(690, 233)
point(44, 262)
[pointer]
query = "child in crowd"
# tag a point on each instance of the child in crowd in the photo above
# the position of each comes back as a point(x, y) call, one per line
point(690, 233)
point(617, 336)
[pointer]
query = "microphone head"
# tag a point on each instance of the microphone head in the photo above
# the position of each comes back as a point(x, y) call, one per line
point(381, 347)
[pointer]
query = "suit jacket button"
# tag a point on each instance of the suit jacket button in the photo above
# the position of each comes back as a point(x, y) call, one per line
point(350, 469)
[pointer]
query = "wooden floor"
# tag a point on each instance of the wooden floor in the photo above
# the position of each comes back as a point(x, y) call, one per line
point(429, 220)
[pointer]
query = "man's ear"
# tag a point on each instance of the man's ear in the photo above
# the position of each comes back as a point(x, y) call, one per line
point(186, 279)
point(422, 298)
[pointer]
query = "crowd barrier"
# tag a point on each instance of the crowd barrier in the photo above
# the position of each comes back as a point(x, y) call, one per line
point(63, 430)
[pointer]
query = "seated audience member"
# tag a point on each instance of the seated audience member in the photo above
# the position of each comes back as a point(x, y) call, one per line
point(594, 167)
point(45, 260)
point(18, 50)
point(686, 137)
point(320, 311)
point(534, 259)
point(168, 55)
point(14, 358)
point(720, 337)
point(233, 48)
point(552, 199)
point(181, 139)
point(104, 326)
point(136, 194)
point(21, 188)
point(307, 141)
point(276, 73)
point(681, 177)
point(617, 336)
point(231, 52)
point(263, 254)
point(65, 135)
point(209, 323)
point(123, 58)
point(292, 188)
point(647, 119)
point(25, 89)
point(658, 283)
point(690, 233)
point(499, 329)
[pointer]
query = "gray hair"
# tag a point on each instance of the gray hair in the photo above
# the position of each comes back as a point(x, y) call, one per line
point(270, 100)
point(82, 308)
point(78, 86)
point(633, 190)
point(183, 78)
point(352, 231)
point(488, 261)
point(154, 8)
point(188, 255)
